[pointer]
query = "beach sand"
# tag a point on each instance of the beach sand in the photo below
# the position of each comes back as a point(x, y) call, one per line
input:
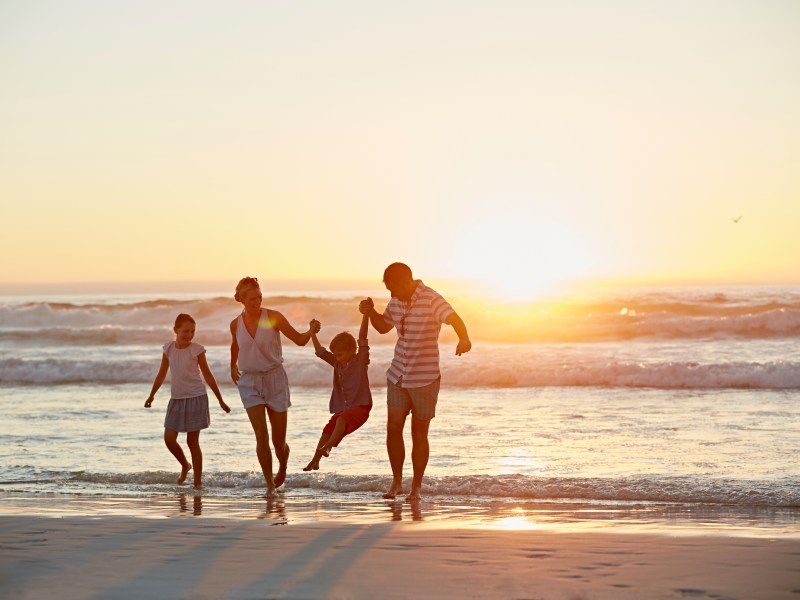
point(202, 558)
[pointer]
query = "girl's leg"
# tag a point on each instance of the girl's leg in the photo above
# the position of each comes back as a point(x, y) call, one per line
point(193, 439)
point(336, 436)
point(279, 421)
point(171, 440)
point(258, 420)
point(314, 464)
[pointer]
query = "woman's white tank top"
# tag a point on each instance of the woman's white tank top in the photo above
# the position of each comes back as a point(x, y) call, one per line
point(262, 353)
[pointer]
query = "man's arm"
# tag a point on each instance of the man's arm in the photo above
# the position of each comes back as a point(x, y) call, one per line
point(464, 345)
point(367, 307)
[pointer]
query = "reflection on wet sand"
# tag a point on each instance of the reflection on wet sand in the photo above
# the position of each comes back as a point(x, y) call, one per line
point(397, 508)
point(197, 504)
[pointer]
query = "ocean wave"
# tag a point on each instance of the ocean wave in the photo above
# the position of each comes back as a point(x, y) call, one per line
point(679, 315)
point(530, 370)
point(659, 489)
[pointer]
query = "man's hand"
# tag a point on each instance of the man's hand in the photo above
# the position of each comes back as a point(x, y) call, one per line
point(463, 347)
point(365, 307)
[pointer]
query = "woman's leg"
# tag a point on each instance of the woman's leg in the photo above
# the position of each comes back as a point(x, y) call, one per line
point(279, 421)
point(193, 440)
point(171, 440)
point(258, 420)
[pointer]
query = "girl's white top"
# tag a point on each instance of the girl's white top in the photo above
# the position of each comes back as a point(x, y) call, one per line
point(262, 353)
point(184, 372)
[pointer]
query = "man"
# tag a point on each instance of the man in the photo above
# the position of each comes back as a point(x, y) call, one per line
point(417, 312)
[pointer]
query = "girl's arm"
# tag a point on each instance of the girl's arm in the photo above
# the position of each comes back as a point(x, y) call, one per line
point(234, 354)
point(282, 325)
point(160, 377)
point(212, 383)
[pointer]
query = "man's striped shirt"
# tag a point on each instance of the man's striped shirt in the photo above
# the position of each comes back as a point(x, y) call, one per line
point(418, 322)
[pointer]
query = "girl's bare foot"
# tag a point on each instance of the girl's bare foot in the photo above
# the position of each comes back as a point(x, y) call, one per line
point(396, 488)
point(184, 472)
point(312, 466)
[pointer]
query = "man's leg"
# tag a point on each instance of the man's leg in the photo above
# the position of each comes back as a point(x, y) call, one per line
point(420, 450)
point(396, 448)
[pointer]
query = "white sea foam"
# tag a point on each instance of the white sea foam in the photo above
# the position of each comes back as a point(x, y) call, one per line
point(678, 489)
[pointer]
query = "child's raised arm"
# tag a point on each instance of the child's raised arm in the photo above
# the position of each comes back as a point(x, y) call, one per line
point(160, 377)
point(362, 333)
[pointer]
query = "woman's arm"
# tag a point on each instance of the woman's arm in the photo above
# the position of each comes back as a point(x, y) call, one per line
point(282, 325)
point(160, 377)
point(234, 354)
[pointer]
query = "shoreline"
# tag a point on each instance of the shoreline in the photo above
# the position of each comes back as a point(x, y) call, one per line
point(127, 557)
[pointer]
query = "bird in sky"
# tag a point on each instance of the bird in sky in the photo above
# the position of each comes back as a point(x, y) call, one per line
point(737, 219)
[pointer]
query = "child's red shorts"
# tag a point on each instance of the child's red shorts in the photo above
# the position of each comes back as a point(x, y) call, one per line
point(353, 417)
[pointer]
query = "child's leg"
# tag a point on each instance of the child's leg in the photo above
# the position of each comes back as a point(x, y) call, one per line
point(193, 439)
point(336, 436)
point(171, 440)
point(318, 454)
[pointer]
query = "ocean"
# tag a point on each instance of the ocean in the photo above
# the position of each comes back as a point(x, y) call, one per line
point(667, 408)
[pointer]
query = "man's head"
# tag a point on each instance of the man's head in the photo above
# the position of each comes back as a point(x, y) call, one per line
point(399, 281)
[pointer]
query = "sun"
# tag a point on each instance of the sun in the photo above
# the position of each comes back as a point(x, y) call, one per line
point(519, 256)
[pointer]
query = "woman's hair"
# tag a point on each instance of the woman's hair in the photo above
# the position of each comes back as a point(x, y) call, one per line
point(243, 285)
point(183, 318)
point(343, 341)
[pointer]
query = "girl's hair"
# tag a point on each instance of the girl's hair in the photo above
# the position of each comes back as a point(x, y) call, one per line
point(343, 341)
point(183, 318)
point(243, 285)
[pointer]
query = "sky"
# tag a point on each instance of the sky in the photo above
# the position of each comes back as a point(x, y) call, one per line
point(518, 144)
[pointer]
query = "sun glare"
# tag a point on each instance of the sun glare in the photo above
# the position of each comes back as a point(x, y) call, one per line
point(519, 256)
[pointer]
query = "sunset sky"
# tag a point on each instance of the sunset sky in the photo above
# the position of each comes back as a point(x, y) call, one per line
point(516, 143)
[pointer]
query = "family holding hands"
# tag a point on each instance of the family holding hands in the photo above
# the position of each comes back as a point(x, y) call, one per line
point(415, 311)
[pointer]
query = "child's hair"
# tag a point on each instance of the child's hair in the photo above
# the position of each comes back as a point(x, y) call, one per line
point(183, 318)
point(243, 285)
point(343, 341)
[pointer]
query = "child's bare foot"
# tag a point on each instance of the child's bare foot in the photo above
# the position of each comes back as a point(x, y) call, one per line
point(280, 477)
point(312, 466)
point(184, 472)
point(324, 450)
point(396, 488)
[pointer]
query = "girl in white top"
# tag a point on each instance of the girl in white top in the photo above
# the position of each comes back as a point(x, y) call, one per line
point(188, 405)
point(257, 370)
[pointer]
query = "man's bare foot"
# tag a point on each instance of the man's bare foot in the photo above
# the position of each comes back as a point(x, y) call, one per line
point(396, 488)
point(414, 496)
point(280, 477)
point(312, 466)
point(184, 472)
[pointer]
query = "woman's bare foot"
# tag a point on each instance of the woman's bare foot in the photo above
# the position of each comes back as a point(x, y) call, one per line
point(312, 466)
point(396, 488)
point(280, 477)
point(270, 493)
point(414, 496)
point(184, 472)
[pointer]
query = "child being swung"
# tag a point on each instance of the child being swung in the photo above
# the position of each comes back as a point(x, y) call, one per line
point(351, 399)
point(188, 405)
